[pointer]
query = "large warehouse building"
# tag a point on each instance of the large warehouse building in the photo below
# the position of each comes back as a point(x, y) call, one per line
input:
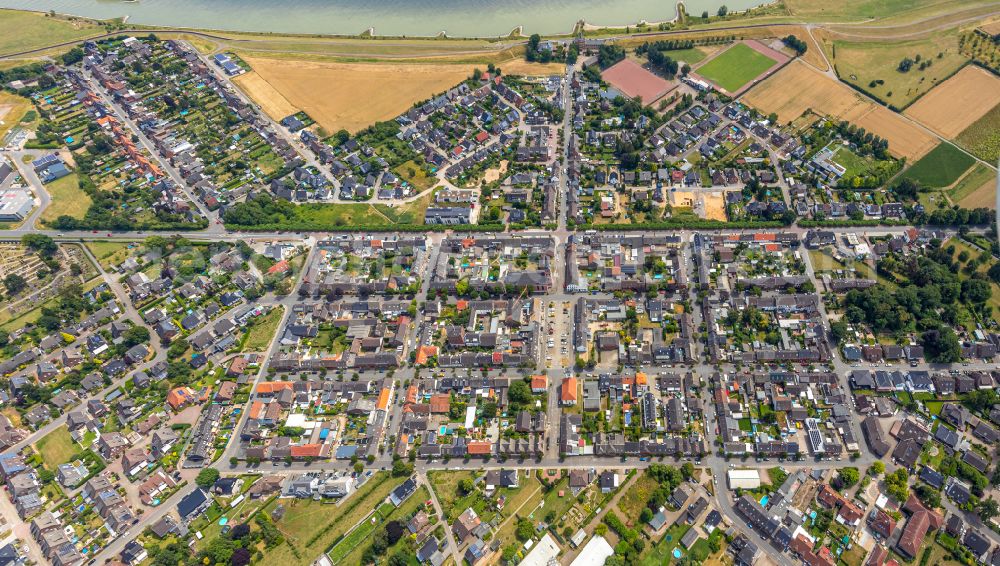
point(744, 479)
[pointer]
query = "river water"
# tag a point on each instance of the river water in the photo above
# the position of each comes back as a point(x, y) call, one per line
point(459, 18)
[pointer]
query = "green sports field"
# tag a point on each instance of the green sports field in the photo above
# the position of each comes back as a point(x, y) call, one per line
point(735, 67)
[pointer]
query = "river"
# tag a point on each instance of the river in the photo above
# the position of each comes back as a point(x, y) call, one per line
point(458, 18)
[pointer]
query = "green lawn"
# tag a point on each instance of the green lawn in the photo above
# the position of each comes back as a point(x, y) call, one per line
point(30, 30)
point(941, 167)
point(634, 500)
point(445, 484)
point(108, 254)
point(260, 334)
point(310, 527)
point(735, 67)
point(662, 552)
point(689, 56)
point(853, 163)
point(56, 447)
point(351, 549)
point(415, 175)
point(67, 199)
point(359, 214)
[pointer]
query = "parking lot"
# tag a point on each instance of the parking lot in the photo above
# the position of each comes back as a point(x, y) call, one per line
point(558, 334)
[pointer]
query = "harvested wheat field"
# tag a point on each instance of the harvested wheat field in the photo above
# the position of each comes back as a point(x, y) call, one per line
point(349, 95)
point(271, 101)
point(983, 197)
point(799, 87)
point(956, 103)
point(521, 67)
point(905, 139)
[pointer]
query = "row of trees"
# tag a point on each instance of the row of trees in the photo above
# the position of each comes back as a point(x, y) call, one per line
point(795, 43)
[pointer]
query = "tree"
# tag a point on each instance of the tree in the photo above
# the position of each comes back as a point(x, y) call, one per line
point(136, 335)
point(928, 495)
point(897, 484)
point(877, 468)
point(359, 467)
point(848, 476)
point(795, 43)
point(988, 509)
point(234, 461)
point(401, 468)
point(687, 470)
point(723, 10)
point(646, 515)
point(704, 15)
point(14, 283)
point(839, 330)
point(519, 393)
point(465, 486)
point(525, 530)
point(941, 345)
point(44, 245)
point(207, 477)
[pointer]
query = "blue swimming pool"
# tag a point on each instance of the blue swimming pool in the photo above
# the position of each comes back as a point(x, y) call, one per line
point(677, 553)
point(764, 500)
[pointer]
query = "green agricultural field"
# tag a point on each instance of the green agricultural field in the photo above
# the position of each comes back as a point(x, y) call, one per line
point(351, 549)
point(982, 138)
point(851, 10)
point(873, 66)
point(941, 167)
point(976, 178)
point(735, 67)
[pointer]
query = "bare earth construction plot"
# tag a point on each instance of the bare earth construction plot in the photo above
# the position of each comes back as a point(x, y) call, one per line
point(958, 102)
point(798, 87)
point(741, 65)
point(632, 80)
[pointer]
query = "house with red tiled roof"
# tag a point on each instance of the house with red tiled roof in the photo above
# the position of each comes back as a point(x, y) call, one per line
point(440, 403)
point(539, 383)
point(882, 524)
point(479, 448)
point(179, 397)
point(921, 519)
point(568, 391)
point(270, 388)
point(425, 353)
point(280, 267)
point(306, 451)
point(878, 556)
